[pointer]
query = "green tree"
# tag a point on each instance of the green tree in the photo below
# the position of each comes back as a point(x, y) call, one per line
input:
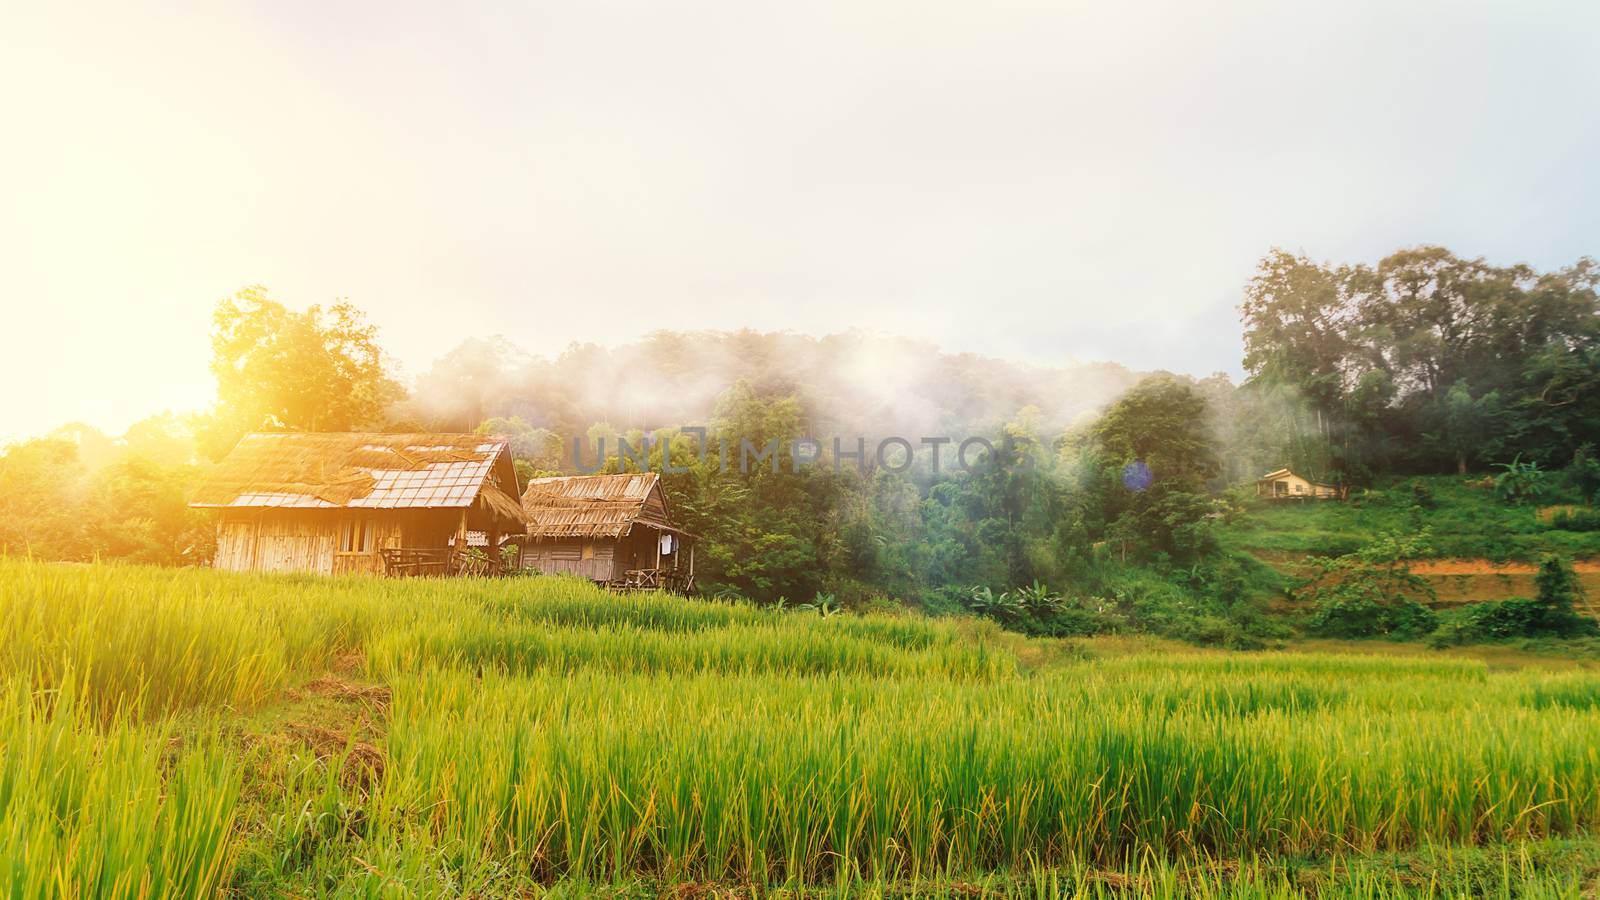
point(1423, 361)
point(277, 369)
point(535, 452)
point(139, 511)
point(43, 493)
point(1156, 446)
point(766, 531)
point(164, 438)
point(1428, 314)
point(1005, 509)
point(1468, 428)
point(1584, 473)
point(1296, 316)
point(1559, 407)
point(1298, 348)
point(1164, 424)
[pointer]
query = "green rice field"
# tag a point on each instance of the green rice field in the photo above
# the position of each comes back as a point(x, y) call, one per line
point(184, 733)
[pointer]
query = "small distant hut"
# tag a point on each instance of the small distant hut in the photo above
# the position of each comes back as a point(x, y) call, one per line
point(1286, 485)
point(397, 504)
point(614, 529)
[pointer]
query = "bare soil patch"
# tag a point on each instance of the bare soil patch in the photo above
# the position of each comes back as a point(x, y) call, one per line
point(337, 718)
point(1489, 567)
point(363, 762)
point(374, 696)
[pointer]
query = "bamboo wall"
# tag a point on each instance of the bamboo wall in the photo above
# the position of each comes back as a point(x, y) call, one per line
point(564, 556)
point(278, 542)
point(308, 540)
point(610, 559)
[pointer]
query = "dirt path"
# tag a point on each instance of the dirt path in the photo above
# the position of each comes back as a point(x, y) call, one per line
point(1487, 567)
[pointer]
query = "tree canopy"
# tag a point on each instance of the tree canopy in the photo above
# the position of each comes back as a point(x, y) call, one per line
point(1424, 362)
point(278, 369)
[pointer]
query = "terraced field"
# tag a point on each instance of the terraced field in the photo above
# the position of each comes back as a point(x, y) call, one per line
point(1483, 549)
point(187, 733)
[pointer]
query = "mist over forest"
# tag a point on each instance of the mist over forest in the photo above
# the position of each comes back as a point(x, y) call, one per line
point(1096, 481)
point(850, 384)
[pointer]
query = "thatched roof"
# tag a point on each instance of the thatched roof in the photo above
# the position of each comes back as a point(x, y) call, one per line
point(594, 506)
point(364, 471)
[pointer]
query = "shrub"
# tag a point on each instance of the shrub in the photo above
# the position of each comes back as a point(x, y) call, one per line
point(879, 605)
point(1584, 473)
point(823, 604)
point(1221, 605)
point(1371, 592)
point(1037, 611)
point(1354, 616)
point(1215, 631)
point(1576, 520)
point(1422, 495)
point(1494, 621)
point(1335, 545)
point(1551, 614)
point(1559, 591)
point(946, 600)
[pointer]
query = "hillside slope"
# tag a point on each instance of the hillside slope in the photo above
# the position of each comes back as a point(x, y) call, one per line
point(1482, 547)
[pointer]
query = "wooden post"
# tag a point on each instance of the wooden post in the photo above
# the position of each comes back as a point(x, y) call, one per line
point(255, 541)
point(461, 539)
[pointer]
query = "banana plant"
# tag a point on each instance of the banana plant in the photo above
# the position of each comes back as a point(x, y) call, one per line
point(823, 604)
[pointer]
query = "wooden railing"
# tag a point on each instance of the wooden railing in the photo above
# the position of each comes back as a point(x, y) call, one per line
point(653, 580)
point(410, 562)
point(406, 562)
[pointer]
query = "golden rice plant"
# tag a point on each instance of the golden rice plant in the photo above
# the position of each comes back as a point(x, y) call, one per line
point(545, 731)
point(108, 809)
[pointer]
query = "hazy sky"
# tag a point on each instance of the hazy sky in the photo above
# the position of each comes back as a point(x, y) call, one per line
point(1042, 181)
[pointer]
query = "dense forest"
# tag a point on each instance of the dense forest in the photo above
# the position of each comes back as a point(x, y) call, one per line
point(1426, 362)
point(1096, 504)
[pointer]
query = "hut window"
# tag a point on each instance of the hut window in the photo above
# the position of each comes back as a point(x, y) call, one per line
point(355, 536)
point(587, 552)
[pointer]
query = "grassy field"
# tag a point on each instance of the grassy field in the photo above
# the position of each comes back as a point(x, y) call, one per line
point(170, 733)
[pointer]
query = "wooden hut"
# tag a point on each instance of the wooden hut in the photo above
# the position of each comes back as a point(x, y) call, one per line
point(400, 504)
point(615, 529)
point(1286, 485)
